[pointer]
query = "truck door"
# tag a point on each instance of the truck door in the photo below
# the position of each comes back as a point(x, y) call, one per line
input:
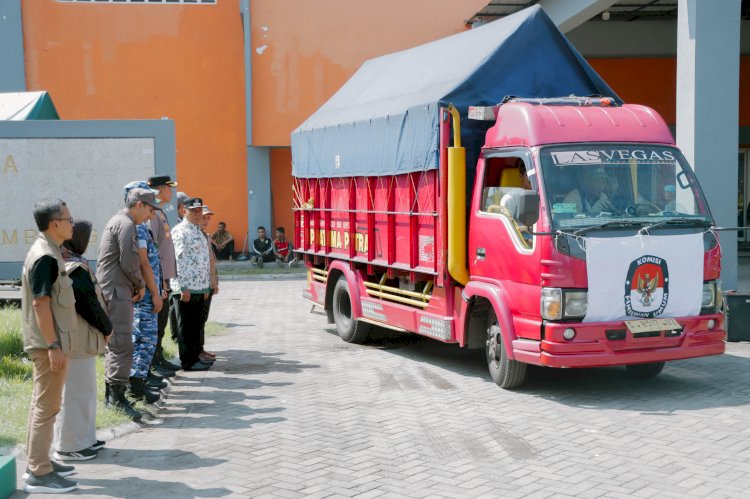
point(500, 246)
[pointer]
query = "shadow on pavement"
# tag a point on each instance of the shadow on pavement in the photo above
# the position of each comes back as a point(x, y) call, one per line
point(228, 383)
point(683, 385)
point(692, 384)
point(216, 409)
point(138, 487)
point(154, 459)
point(230, 325)
point(253, 362)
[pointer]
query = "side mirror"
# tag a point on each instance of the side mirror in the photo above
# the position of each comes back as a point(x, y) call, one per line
point(527, 209)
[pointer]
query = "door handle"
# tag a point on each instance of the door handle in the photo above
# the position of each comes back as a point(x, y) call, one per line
point(481, 253)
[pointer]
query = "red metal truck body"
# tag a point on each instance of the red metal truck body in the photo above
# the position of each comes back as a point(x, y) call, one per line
point(387, 236)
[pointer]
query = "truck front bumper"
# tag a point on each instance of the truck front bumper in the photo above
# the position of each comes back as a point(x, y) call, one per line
point(592, 346)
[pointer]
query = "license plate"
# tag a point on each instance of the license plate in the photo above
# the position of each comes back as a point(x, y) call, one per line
point(651, 325)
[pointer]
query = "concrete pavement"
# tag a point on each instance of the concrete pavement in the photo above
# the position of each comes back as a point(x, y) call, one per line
point(289, 410)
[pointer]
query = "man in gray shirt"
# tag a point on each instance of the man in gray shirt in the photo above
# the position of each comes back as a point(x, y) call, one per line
point(118, 271)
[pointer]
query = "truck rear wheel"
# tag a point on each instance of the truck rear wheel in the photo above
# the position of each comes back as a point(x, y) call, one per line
point(506, 373)
point(645, 371)
point(350, 329)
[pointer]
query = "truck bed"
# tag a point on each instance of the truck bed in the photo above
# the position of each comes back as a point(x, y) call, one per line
point(388, 221)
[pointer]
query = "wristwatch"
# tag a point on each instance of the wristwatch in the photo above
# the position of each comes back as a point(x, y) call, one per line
point(54, 345)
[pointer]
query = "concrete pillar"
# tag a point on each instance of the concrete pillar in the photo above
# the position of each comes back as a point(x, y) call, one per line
point(259, 206)
point(708, 41)
point(12, 68)
point(570, 14)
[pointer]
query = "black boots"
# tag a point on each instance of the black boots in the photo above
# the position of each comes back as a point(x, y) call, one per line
point(115, 397)
point(163, 367)
point(140, 391)
point(154, 381)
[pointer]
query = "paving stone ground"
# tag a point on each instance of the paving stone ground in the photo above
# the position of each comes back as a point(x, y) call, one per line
point(289, 410)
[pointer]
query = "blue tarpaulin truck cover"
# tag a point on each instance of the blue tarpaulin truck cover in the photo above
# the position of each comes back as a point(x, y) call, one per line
point(385, 119)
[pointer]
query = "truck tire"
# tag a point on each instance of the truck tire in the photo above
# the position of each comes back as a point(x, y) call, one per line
point(350, 329)
point(505, 372)
point(645, 371)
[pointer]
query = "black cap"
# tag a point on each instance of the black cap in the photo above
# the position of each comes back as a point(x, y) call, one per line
point(161, 180)
point(191, 203)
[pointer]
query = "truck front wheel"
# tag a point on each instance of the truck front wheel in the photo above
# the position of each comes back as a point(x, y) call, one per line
point(350, 329)
point(506, 373)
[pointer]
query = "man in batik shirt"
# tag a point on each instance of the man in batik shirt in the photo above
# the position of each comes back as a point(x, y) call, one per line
point(191, 287)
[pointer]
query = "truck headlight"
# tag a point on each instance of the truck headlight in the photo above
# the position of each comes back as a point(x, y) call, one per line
point(551, 303)
point(559, 303)
point(576, 304)
point(709, 295)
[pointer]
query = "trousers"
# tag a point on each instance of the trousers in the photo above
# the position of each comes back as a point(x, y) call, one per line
point(163, 319)
point(189, 322)
point(45, 404)
point(145, 336)
point(118, 354)
point(204, 319)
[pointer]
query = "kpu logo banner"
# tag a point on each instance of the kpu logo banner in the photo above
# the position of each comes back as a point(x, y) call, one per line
point(644, 277)
point(647, 287)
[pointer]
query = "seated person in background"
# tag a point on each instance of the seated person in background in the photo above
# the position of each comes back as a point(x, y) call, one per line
point(283, 250)
point(262, 249)
point(223, 242)
point(591, 198)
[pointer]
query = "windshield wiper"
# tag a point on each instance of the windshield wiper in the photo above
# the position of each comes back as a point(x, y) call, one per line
point(671, 221)
point(605, 225)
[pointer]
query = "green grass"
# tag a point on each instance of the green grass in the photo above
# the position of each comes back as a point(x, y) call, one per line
point(16, 386)
point(11, 341)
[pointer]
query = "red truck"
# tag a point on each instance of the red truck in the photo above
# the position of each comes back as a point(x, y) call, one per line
point(581, 238)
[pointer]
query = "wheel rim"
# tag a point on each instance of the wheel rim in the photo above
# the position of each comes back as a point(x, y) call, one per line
point(345, 309)
point(493, 345)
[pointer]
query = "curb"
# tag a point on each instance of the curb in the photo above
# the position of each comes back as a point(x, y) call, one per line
point(108, 434)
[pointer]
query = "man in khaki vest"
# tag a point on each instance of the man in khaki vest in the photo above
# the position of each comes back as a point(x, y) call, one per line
point(49, 324)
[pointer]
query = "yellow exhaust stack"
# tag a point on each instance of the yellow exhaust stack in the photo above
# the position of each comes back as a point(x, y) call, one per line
point(457, 238)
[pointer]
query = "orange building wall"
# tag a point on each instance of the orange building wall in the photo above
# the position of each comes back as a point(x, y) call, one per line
point(112, 61)
point(148, 61)
point(304, 51)
point(653, 82)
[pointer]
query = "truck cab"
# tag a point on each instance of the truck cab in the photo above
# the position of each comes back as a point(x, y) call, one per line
point(589, 242)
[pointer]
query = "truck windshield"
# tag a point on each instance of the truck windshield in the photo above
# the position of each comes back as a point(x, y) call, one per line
point(593, 184)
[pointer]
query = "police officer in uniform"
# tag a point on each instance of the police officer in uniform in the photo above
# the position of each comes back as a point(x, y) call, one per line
point(162, 235)
point(119, 274)
point(145, 325)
